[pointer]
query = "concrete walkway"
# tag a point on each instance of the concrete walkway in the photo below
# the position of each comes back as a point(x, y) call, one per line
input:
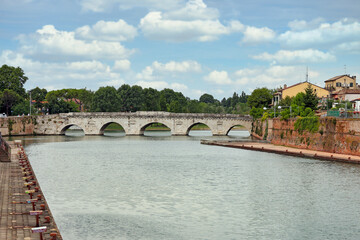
point(18, 189)
point(268, 147)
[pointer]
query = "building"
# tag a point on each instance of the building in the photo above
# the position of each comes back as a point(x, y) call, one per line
point(346, 94)
point(293, 90)
point(341, 82)
point(356, 104)
point(78, 102)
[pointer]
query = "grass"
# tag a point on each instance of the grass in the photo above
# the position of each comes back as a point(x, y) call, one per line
point(114, 127)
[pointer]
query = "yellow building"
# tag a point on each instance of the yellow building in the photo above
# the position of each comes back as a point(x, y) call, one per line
point(340, 82)
point(293, 90)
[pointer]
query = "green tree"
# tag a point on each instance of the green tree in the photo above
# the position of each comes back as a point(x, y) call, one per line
point(23, 108)
point(58, 104)
point(260, 97)
point(175, 107)
point(207, 98)
point(131, 98)
point(243, 97)
point(85, 96)
point(310, 98)
point(105, 100)
point(256, 112)
point(8, 99)
point(241, 108)
point(285, 101)
point(193, 106)
point(299, 99)
point(13, 79)
point(38, 95)
point(151, 100)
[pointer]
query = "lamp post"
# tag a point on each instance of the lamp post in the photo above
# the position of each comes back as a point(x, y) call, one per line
point(30, 102)
point(274, 111)
point(279, 107)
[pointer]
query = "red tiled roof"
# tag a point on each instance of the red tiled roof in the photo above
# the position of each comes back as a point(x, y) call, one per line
point(34, 101)
point(349, 91)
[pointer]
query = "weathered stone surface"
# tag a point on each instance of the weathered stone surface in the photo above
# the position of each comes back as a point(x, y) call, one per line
point(334, 135)
point(134, 123)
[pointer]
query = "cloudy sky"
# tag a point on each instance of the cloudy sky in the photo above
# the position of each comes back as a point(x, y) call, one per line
point(192, 46)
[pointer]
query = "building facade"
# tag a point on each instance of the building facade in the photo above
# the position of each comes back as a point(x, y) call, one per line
point(341, 82)
point(293, 90)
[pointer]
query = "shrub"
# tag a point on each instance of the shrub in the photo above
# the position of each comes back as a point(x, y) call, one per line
point(310, 124)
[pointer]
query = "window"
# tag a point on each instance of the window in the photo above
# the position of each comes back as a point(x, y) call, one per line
point(351, 84)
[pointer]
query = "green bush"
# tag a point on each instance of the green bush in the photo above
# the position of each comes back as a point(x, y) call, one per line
point(311, 124)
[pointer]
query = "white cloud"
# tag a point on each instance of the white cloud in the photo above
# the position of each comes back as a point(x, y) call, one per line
point(194, 22)
point(255, 35)
point(156, 69)
point(272, 77)
point(350, 47)
point(219, 91)
point(301, 25)
point(299, 56)
point(179, 86)
point(218, 77)
point(87, 66)
point(326, 33)
point(181, 67)
point(114, 83)
point(104, 5)
point(146, 74)
point(159, 85)
point(52, 44)
point(122, 65)
point(193, 10)
point(107, 31)
point(55, 75)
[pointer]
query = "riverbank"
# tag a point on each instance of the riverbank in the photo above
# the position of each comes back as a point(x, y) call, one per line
point(271, 148)
point(24, 211)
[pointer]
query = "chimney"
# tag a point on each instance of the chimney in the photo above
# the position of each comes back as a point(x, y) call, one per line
point(285, 86)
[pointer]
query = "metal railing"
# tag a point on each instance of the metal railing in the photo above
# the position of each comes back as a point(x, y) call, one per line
point(343, 114)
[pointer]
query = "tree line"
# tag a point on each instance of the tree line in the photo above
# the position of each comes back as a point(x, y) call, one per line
point(14, 100)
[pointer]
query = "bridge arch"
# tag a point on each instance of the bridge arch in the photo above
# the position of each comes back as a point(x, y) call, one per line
point(197, 123)
point(245, 129)
point(102, 129)
point(143, 128)
point(66, 127)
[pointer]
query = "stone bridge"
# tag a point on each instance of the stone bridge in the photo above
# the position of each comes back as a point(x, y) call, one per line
point(135, 123)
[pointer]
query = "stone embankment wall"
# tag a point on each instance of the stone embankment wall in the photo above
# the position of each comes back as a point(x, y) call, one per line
point(24, 125)
point(333, 135)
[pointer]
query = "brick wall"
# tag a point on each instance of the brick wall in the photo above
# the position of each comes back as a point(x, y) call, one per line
point(333, 135)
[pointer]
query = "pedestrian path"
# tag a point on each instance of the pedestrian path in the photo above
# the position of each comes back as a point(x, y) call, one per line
point(268, 147)
point(24, 213)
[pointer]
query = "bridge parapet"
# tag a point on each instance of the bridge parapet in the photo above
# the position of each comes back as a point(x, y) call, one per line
point(152, 114)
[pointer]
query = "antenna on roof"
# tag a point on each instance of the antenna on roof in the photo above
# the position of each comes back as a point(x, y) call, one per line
point(307, 74)
point(345, 68)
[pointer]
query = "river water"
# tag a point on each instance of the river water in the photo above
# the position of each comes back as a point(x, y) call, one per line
point(163, 187)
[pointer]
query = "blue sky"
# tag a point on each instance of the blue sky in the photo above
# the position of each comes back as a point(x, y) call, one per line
point(192, 46)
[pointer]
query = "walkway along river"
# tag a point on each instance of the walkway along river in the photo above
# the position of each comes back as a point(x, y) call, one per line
point(24, 212)
point(167, 187)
